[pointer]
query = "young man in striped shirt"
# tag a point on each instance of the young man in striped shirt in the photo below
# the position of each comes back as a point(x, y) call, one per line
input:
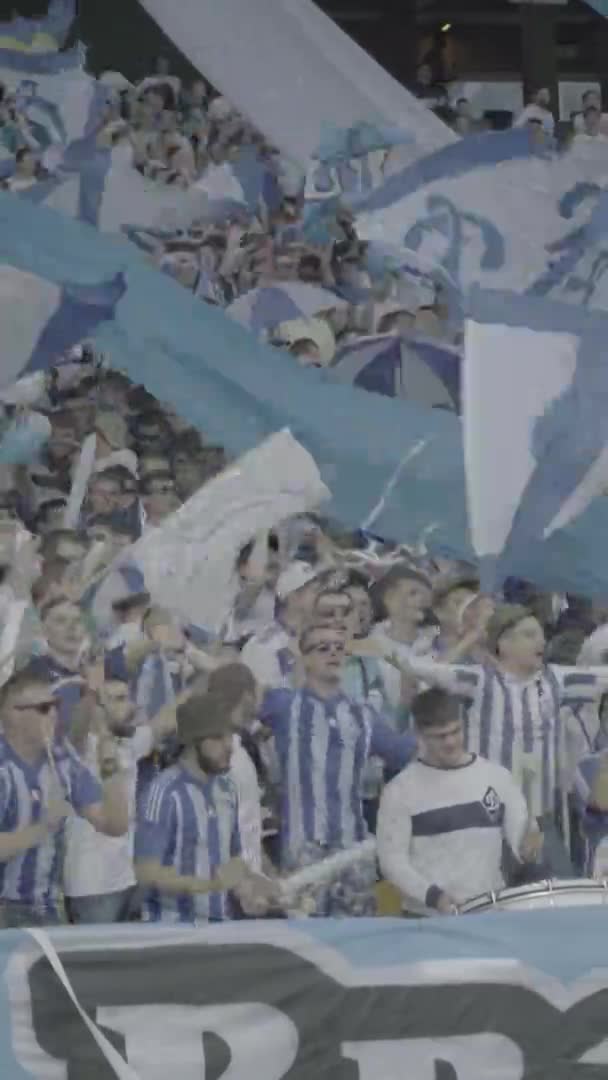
point(513, 704)
point(187, 841)
point(323, 741)
point(42, 780)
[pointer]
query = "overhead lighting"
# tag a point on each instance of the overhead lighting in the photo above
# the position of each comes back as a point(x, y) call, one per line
point(446, 26)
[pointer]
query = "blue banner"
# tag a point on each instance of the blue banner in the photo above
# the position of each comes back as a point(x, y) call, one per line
point(484, 997)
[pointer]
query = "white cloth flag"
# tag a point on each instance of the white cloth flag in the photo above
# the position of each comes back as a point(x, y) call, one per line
point(189, 562)
point(536, 441)
point(288, 68)
point(511, 375)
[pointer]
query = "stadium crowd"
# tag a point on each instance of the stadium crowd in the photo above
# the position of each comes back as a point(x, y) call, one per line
point(152, 769)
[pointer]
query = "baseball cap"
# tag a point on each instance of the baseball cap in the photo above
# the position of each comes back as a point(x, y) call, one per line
point(203, 716)
point(505, 618)
point(295, 577)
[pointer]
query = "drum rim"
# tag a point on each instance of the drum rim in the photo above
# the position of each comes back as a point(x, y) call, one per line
point(546, 887)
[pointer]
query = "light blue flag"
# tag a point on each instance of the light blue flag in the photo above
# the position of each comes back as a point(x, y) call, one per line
point(238, 391)
point(535, 393)
point(492, 210)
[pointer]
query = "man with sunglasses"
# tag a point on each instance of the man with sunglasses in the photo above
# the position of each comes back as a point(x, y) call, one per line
point(323, 741)
point(42, 781)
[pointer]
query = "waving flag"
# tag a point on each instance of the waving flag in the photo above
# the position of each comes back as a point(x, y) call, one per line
point(535, 393)
point(492, 210)
point(315, 74)
point(238, 391)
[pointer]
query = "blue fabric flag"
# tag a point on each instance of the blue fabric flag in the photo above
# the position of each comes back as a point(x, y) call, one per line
point(238, 391)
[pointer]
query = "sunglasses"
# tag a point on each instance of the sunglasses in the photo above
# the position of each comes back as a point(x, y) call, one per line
point(42, 707)
point(165, 489)
point(326, 648)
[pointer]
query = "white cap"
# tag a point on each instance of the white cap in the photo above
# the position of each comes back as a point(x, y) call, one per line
point(315, 330)
point(295, 577)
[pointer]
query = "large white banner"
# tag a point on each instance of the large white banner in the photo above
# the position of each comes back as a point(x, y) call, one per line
point(292, 71)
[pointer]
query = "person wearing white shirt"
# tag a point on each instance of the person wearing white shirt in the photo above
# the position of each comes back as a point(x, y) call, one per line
point(402, 599)
point(591, 130)
point(271, 655)
point(99, 880)
point(234, 687)
point(538, 109)
point(443, 820)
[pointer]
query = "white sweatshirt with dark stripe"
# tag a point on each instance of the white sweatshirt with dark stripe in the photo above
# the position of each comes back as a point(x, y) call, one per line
point(442, 829)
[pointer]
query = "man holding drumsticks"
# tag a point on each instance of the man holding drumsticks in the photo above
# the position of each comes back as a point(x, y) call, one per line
point(42, 781)
point(512, 714)
point(442, 821)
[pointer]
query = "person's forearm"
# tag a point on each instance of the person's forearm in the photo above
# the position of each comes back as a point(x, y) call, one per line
point(598, 797)
point(115, 805)
point(402, 875)
point(429, 671)
point(166, 879)
point(15, 843)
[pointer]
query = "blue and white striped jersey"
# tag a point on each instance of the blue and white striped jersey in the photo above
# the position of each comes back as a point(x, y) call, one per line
point(192, 826)
point(34, 876)
point(594, 822)
point(322, 748)
point(516, 723)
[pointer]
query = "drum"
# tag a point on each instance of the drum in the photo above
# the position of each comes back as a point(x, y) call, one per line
point(577, 892)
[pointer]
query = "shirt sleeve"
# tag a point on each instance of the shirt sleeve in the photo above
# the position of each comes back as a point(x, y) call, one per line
point(393, 835)
point(395, 750)
point(274, 708)
point(461, 680)
point(516, 814)
point(155, 824)
point(579, 684)
point(262, 661)
point(5, 788)
point(85, 789)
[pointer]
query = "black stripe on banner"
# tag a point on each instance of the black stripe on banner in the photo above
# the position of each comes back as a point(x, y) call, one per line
point(446, 819)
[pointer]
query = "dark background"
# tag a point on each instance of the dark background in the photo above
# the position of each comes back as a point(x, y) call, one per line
point(484, 39)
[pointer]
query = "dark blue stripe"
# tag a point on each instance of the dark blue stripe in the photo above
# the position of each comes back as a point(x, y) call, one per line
point(548, 779)
point(470, 678)
point(217, 901)
point(333, 800)
point(485, 712)
point(360, 760)
point(580, 680)
point(447, 819)
point(528, 731)
point(187, 860)
point(507, 726)
point(303, 734)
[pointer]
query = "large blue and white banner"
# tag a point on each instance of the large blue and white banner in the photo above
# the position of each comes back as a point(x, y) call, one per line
point(234, 389)
point(535, 392)
point(493, 210)
point(293, 72)
point(506, 996)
